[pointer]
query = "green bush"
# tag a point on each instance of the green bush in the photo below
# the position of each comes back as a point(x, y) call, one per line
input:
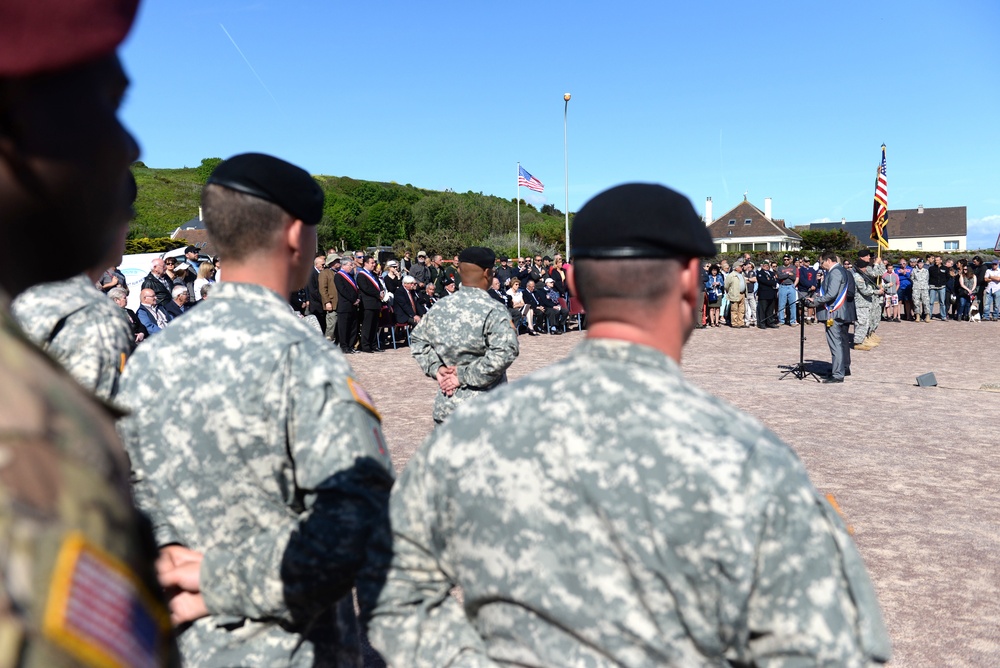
point(153, 245)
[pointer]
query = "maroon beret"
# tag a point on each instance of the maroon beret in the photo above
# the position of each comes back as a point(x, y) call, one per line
point(44, 35)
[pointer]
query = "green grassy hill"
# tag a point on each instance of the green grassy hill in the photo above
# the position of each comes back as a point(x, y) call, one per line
point(358, 214)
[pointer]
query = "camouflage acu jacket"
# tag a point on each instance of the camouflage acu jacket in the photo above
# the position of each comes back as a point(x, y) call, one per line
point(81, 328)
point(471, 331)
point(652, 525)
point(274, 467)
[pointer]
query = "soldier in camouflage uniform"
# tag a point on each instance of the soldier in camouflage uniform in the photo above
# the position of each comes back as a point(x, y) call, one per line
point(81, 328)
point(652, 525)
point(268, 483)
point(921, 291)
point(74, 552)
point(874, 271)
point(865, 304)
point(467, 341)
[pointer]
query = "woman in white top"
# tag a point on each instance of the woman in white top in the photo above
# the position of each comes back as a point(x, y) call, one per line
point(206, 275)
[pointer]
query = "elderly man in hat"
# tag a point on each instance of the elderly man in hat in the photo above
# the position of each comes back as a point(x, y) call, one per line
point(328, 294)
point(652, 524)
point(421, 271)
point(466, 342)
point(268, 498)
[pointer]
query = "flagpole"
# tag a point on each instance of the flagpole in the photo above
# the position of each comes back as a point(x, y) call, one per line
point(518, 200)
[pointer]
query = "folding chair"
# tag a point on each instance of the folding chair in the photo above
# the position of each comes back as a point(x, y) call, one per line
point(576, 309)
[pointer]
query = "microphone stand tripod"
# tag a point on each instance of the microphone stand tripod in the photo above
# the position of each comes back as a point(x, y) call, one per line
point(799, 370)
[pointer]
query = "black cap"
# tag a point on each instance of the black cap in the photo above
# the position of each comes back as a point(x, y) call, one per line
point(275, 181)
point(864, 252)
point(639, 220)
point(447, 281)
point(478, 255)
point(190, 249)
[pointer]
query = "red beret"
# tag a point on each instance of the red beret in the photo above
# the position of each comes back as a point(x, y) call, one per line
point(45, 35)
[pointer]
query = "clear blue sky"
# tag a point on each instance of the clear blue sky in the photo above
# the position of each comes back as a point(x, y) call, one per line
point(788, 100)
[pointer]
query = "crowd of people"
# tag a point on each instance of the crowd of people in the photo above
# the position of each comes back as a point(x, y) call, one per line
point(250, 516)
point(359, 304)
point(770, 294)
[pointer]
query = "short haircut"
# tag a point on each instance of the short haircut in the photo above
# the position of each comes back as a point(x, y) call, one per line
point(178, 290)
point(205, 288)
point(635, 280)
point(829, 255)
point(346, 259)
point(240, 224)
point(408, 279)
point(117, 293)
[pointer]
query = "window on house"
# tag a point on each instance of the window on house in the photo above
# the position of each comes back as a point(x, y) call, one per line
point(747, 221)
point(951, 245)
point(732, 221)
point(920, 245)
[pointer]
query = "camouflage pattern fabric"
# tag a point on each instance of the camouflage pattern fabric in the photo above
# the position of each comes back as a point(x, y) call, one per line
point(921, 291)
point(63, 493)
point(865, 303)
point(469, 330)
point(625, 518)
point(81, 328)
point(274, 467)
point(875, 272)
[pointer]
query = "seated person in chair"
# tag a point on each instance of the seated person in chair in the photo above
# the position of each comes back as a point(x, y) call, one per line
point(406, 305)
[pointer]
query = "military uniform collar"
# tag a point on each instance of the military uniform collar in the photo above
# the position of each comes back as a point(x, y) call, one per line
point(626, 352)
point(249, 293)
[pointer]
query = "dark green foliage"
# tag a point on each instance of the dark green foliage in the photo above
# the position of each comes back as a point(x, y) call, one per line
point(157, 245)
point(822, 240)
point(206, 168)
point(358, 214)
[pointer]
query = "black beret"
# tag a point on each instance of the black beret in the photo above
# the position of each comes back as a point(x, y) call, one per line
point(483, 257)
point(275, 181)
point(640, 220)
point(864, 252)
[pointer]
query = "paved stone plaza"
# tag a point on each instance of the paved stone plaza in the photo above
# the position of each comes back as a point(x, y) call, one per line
point(913, 469)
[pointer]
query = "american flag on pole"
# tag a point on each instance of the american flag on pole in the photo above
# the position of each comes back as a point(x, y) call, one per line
point(880, 208)
point(528, 181)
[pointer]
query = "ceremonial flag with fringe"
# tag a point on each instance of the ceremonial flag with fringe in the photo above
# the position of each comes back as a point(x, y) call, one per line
point(880, 209)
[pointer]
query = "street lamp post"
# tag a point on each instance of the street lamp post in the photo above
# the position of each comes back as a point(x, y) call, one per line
point(566, 97)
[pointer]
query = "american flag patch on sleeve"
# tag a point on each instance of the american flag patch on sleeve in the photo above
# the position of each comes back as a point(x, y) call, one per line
point(100, 612)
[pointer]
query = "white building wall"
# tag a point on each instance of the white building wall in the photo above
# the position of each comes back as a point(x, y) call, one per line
point(928, 243)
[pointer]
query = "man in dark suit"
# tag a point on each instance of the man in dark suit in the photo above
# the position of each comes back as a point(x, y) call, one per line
point(837, 295)
point(158, 281)
point(406, 306)
point(371, 303)
point(767, 296)
point(348, 299)
point(536, 312)
point(428, 296)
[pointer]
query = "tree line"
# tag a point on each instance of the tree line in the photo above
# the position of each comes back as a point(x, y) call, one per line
point(360, 214)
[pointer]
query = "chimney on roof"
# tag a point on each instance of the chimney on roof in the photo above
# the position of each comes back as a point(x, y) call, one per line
point(920, 208)
point(767, 208)
point(708, 210)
